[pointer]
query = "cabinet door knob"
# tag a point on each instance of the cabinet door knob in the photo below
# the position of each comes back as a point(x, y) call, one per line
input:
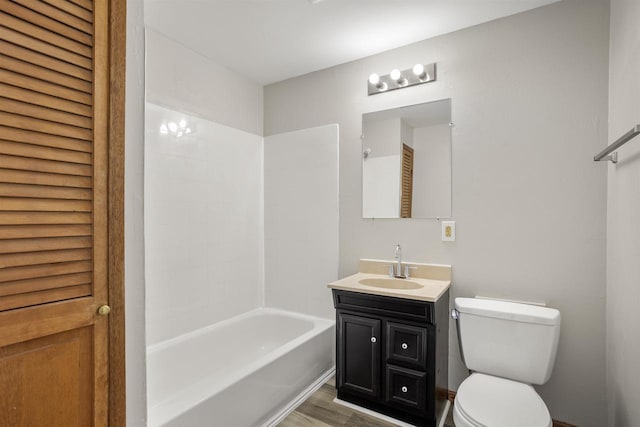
point(373, 339)
point(404, 389)
point(405, 346)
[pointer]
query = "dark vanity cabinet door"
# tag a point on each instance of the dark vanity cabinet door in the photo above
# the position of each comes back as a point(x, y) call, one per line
point(406, 345)
point(392, 355)
point(359, 354)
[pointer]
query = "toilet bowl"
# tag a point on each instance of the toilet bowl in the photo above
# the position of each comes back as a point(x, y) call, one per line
point(488, 401)
point(508, 346)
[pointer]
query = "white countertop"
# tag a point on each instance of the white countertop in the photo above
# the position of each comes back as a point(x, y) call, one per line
point(431, 288)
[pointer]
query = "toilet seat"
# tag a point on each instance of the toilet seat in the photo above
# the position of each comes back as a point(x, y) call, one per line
point(488, 401)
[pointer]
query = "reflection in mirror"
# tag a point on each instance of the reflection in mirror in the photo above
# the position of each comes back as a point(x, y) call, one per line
point(406, 162)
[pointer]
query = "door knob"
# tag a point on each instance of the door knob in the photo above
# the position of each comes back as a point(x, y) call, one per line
point(373, 339)
point(104, 310)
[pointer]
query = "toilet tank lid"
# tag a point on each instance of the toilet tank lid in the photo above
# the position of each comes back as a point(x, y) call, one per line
point(508, 310)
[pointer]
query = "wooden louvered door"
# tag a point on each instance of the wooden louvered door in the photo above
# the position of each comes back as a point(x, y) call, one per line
point(406, 199)
point(54, 171)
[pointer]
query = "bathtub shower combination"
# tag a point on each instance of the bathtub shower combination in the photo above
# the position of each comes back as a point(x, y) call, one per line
point(239, 319)
point(244, 371)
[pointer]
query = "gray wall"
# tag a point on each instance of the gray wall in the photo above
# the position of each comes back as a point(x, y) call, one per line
point(623, 230)
point(529, 99)
point(133, 219)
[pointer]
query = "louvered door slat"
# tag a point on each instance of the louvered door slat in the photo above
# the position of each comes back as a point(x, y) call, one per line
point(26, 123)
point(41, 284)
point(44, 100)
point(34, 111)
point(44, 35)
point(43, 270)
point(45, 22)
point(46, 74)
point(9, 218)
point(87, 4)
point(45, 257)
point(35, 58)
point(22, 40)
point(24, 204)
point(41, 178)
point(39, 231)
point(32, 298)
point(72, 9)
point(39, 165)
point(45, 153)
point(42, 191)
point(58, 15)
point(47, 88)
point(44, 244)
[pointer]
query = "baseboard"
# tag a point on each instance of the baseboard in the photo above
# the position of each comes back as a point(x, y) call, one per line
point(299, 399)
point(441, 420)
point(452, 397)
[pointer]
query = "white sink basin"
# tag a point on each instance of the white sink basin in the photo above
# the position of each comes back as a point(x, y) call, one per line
point(390, 283)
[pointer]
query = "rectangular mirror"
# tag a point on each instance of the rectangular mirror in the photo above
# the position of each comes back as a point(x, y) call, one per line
point(406, 162)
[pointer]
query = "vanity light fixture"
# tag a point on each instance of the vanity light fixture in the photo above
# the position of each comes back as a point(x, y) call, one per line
point(178, 130)
point(398, 79)
point(374, 80)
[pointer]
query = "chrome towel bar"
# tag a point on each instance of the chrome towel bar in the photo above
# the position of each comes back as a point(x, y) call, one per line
point(603, 155)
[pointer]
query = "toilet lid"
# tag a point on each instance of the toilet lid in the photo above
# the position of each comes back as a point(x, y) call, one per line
point(497, 402)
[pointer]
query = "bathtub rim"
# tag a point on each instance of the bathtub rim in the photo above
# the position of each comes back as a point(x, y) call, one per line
point(316, 321)
point(170, 408)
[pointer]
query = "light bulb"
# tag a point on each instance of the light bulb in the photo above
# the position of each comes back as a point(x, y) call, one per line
point(187, 130)
point(163, 129)
point(374, 79)
point(395, 74)
point(173, 127)
point(182, 124)
point(418, 70)
point(180, 134)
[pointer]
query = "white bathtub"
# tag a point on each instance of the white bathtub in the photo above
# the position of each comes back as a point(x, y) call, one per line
point(238, 373)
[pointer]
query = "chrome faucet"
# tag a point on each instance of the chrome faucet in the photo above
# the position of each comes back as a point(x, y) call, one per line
point(398, 256)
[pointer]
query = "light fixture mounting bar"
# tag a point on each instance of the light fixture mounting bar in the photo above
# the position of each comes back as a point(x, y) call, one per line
point(408, 78)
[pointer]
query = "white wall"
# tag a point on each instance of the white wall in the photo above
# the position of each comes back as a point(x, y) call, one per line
point(203, 224)
point(623, 219)
point(381, 184)
point(136, 388)
point(301, 219)
point(530, 106)
point(381, 187)
point(406, 134)
point(184, 80)
point(382, 137)
point(432, 171)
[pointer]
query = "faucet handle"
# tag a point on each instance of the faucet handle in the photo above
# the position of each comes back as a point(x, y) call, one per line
point(406, 270)
point(391, 271)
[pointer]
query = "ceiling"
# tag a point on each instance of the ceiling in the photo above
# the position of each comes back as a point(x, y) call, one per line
point(273, 40)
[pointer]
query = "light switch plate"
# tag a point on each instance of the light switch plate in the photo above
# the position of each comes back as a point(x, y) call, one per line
point(448, 231)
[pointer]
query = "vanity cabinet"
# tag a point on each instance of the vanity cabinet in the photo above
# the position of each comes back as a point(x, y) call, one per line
point(392, 355)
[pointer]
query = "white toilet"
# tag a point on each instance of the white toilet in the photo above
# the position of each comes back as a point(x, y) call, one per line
point(507, 346)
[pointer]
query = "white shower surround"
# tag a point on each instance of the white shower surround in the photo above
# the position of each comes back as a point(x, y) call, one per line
point(203, 224)
point(204, 234)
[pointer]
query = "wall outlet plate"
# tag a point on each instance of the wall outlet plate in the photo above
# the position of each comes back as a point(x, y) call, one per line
point(448, 231)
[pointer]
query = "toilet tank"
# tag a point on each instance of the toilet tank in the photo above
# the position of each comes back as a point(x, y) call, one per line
point(507, 339)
